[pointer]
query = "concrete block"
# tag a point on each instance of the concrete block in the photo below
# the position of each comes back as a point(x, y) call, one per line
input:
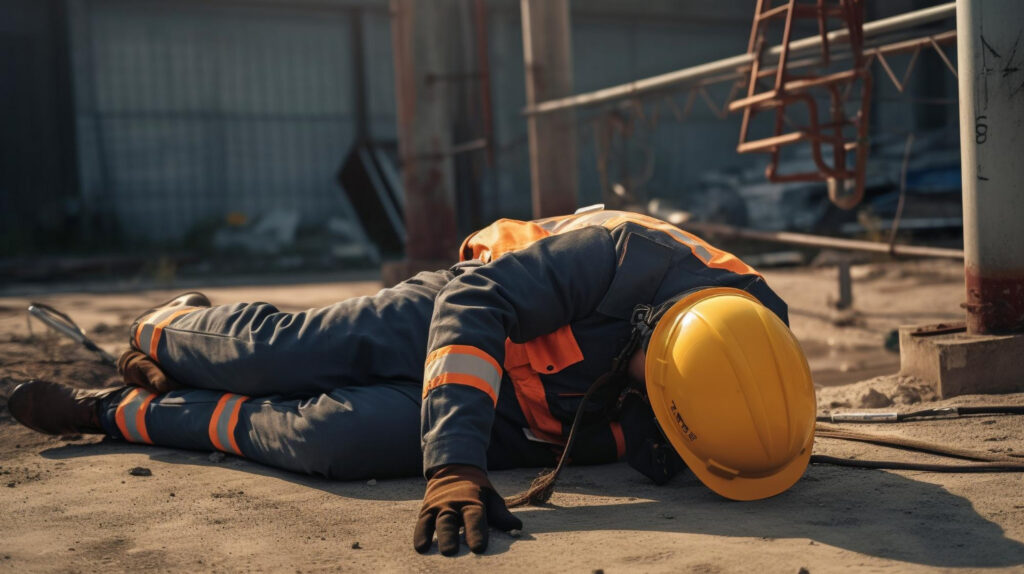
point(959, 363)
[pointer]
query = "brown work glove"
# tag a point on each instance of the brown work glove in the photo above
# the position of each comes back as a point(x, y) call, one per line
point(460, 495)
point(138, 370)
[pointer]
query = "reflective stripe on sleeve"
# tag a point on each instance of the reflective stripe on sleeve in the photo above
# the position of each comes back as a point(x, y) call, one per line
point(130, 415)
point(462, 365)
point(224, 421)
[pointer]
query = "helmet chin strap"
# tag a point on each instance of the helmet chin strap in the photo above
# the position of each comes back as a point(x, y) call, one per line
point(644, 319)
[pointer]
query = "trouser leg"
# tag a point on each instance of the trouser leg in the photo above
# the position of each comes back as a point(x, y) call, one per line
point(257, 350)
point(348, 433)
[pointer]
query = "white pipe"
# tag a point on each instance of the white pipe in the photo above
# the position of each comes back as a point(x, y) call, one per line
point(991, 81)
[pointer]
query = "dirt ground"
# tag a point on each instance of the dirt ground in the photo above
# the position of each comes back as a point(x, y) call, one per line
point(70, 504)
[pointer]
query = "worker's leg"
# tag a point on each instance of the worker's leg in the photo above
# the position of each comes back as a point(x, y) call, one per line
point(257, 350)
point(349, 433)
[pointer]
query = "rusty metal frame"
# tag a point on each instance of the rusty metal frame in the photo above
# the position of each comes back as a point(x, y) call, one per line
point(790, 89)
point(728, 68)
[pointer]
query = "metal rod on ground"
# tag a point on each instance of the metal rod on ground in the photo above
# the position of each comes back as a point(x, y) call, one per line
point(732, 64)
point(991, 84)
point(729, 231)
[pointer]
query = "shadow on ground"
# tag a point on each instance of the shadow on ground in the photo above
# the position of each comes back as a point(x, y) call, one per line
point(871, 512)
point(874, 513)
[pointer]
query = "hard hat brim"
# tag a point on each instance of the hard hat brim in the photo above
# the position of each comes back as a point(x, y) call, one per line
point(734, 488)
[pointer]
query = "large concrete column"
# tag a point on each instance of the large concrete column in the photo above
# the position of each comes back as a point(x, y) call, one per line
point(422, 51)
point(548, 63)
point(991, 72)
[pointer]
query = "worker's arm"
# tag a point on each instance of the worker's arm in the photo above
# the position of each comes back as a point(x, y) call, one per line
point(521, 295)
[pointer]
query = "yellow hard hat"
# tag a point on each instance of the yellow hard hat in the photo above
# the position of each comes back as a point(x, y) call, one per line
point(732, 392)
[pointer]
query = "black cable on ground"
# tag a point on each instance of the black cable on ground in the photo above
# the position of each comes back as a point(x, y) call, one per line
point(942, 412)
point(929, 467)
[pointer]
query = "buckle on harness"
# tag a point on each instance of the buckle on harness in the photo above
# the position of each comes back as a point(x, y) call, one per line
point(641, 315)
point(641, 319)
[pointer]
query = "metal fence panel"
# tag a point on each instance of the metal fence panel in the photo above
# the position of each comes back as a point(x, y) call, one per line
point(187, 112)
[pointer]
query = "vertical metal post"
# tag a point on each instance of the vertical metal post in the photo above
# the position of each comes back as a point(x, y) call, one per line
point(362, 109)
point(845, 300)
point(548, 63)
point(422, 50)
point(991, 75)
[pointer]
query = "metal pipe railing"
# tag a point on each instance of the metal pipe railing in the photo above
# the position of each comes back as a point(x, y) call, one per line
point(728, 231)
point(732, 65)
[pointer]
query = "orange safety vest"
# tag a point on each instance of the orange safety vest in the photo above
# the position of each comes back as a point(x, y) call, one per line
point(548, 354)
point(507, 235)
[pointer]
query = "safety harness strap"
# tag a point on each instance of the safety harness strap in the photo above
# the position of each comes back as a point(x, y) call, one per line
point(543, 486)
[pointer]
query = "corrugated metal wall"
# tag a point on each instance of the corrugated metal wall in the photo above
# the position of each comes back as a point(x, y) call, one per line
point(188, 112)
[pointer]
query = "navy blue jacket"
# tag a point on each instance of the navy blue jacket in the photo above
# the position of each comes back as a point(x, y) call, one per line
point(515, 341)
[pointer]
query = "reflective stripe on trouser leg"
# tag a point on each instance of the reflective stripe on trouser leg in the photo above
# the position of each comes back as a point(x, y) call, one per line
point(130, 415)
point(202, 420)
point(224, 421)
point(149, 330)
point(350, 433)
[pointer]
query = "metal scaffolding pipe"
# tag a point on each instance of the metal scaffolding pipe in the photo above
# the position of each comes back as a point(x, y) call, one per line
point(547, 61)
point(734, 63)
point(729, 231)
point(991, 82)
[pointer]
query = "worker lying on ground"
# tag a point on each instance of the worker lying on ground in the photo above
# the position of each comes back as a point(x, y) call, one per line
point(481, 367)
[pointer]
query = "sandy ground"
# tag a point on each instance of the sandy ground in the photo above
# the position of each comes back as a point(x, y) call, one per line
point(70, 504)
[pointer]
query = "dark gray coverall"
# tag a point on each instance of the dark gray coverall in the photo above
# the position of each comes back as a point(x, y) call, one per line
point(483, 364)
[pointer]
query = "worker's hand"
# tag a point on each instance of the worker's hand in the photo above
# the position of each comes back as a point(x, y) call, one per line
point(138, 370)
point(460, 495)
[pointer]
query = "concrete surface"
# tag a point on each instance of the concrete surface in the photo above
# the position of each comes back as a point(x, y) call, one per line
point(69, 504)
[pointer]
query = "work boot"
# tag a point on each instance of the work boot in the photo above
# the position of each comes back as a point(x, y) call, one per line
point(186, 299)
point(54, 408)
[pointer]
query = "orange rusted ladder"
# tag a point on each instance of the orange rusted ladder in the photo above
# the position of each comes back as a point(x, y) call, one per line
point(846, 183)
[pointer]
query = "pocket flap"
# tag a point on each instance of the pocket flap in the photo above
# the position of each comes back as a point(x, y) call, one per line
point(553, 352)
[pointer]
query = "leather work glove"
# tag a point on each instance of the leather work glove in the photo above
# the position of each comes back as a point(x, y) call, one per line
point(461, 495)
point(138, 370)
